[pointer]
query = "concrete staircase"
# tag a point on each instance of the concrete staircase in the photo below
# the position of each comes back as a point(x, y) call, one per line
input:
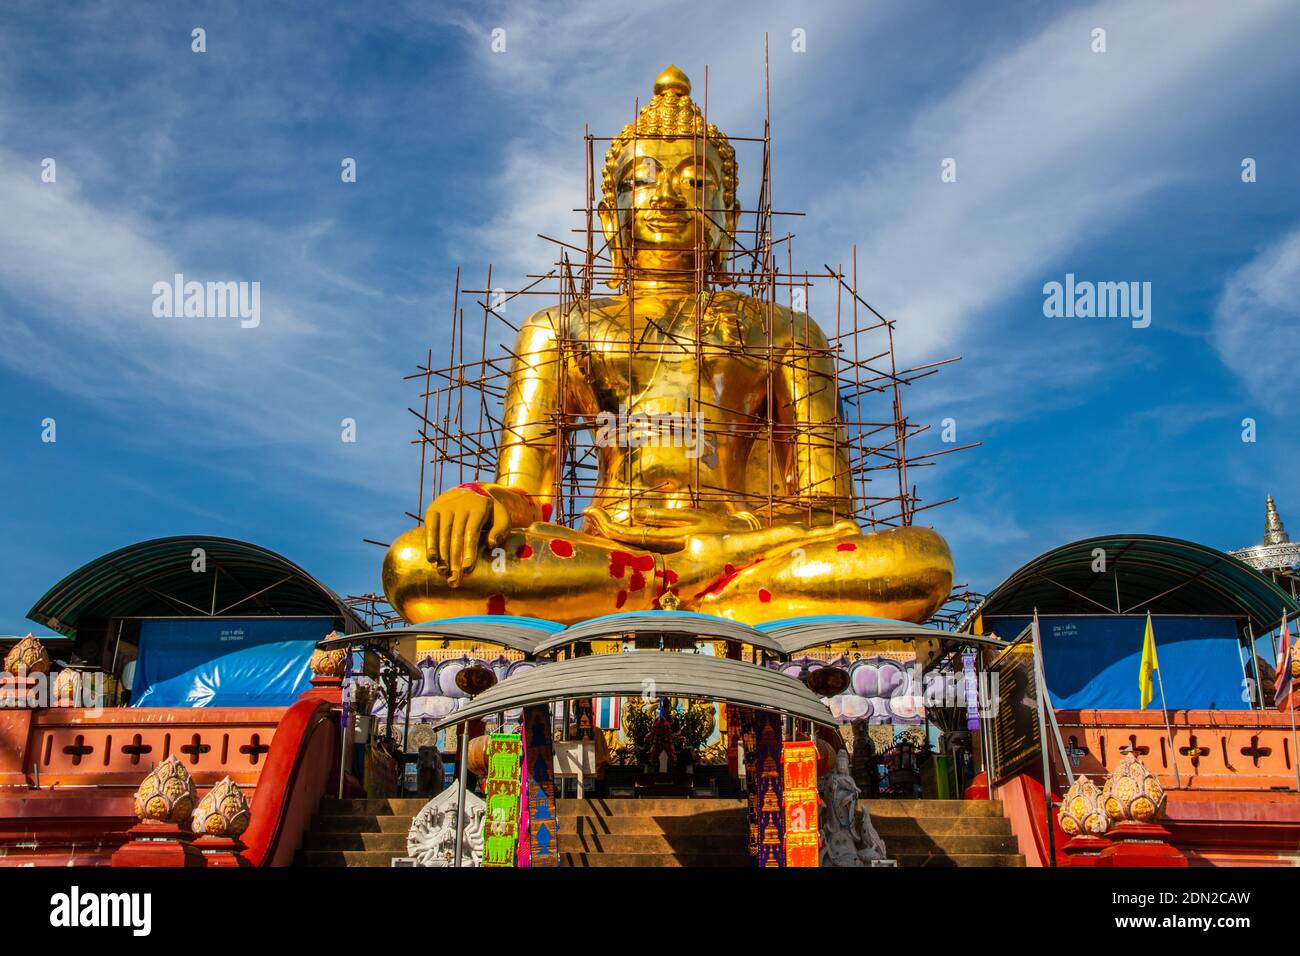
point(945, 832)
point(358, 832)
point(674, 832)
point(653, 832)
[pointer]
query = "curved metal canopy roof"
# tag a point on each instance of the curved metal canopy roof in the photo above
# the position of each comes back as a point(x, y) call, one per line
point(799, 633)
point(669, 674)
point(522, 634)
point(1142, 573)
point(156, 579)
point(684, 623)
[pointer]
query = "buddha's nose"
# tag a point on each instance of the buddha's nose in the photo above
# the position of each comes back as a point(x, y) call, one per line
point(666, 193)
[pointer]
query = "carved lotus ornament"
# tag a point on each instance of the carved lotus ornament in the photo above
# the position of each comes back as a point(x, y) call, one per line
point(1081, 809)
point(166, 795)
point(329, 663)
point(222, 812)
point(1132, 793)
point(27, 657)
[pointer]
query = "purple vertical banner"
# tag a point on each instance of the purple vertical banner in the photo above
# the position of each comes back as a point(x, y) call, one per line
point(524, 848)
point(768, 790)
point(539, 750)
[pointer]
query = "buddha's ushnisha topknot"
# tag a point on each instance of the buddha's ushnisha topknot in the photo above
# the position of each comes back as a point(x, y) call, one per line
point(671, 113)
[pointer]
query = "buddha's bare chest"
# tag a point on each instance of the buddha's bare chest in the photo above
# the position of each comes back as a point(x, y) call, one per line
point(672, 362)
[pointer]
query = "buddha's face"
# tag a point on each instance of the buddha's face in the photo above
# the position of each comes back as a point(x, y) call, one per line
point(670, 199)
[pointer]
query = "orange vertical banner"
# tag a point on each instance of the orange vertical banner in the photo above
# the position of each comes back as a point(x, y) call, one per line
point(799, 758)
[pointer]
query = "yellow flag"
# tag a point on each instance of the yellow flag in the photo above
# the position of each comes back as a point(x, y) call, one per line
point(1149, 664)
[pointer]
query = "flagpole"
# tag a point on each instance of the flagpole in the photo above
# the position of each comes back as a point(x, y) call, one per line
point(1044, 751)
point(1277, 678)
point(1173, 753)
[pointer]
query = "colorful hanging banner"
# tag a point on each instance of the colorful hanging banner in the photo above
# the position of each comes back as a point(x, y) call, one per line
point(767, 787)
point(501, 823)
point(523, 846)
point(543, 828)
point(800, 763)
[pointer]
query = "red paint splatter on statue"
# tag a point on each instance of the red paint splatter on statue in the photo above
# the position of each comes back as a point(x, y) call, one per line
point(475, 487)
point(546, 512)
point(846, 546)
point(636, 582)
point(561, 548)
point(496, 604)
point(525, 552)
point(765, 595)
point(621, 561)
point(620, 600)
point(729, 574)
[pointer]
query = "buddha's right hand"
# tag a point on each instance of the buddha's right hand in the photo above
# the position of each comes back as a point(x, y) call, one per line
point(458, 518)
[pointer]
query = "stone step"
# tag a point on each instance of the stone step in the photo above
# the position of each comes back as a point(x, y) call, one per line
point(361, 823)
point(940, 827)
point(331, 806)
point(693, 845)
point(351, 858)
point(599, 807)
point(730, 825)
point(959, 845)
point(933, 808)
point(392, 843)
point(655, 859)
point(960, 859)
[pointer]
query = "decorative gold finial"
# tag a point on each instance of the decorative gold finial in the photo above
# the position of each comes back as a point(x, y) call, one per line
point(1274, 531)
point(669, 601)
point(222, 812)
point(166, 795)
point(329, 662)
point(27, 657)
point(673, 80)
point(1132, 793)
point(1081, 809)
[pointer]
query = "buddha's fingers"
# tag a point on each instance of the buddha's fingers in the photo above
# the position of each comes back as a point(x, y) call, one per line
point(500, 525)
point(469, 540)
point(454, 543)
point(430, 536)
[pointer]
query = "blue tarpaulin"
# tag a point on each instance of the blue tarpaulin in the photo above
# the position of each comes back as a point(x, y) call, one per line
point(1092, 662)
point(204, 662)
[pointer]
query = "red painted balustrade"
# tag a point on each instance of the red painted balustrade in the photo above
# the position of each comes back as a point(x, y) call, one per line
point(1234, 801)
point(67, 775)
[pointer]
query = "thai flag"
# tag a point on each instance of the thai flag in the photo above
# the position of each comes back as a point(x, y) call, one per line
point(609, 713)
point(1282, 681)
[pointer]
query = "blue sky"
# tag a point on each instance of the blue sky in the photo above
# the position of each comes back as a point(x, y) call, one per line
point(1115, 166)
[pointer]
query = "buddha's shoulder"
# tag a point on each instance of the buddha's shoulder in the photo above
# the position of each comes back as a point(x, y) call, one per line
point(757, 314)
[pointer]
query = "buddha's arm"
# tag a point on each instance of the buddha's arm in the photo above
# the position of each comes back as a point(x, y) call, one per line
point(529, 448)
point(820, 452)
point(525, 485)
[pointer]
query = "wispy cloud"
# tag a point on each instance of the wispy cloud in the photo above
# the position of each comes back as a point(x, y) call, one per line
point(1257, 324)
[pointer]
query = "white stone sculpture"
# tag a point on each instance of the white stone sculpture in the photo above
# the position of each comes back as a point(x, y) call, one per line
point(848, 838)
point(431, 840)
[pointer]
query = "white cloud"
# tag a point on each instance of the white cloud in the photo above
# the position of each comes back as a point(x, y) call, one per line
point(1256, 325)
point(78, 277)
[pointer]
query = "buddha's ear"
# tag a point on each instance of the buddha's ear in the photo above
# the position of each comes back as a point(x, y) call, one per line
point(718, 259)
point(610, 227)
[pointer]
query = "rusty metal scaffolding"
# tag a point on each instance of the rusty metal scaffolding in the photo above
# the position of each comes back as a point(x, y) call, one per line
point(460, 414)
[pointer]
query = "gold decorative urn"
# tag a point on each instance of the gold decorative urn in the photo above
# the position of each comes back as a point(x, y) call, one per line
point(166, 795)
point(27, 658)
point(223, 811)
point(1082, 813)
point(1132, 793)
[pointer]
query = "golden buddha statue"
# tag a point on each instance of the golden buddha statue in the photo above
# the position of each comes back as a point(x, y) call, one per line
point(746, 511)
